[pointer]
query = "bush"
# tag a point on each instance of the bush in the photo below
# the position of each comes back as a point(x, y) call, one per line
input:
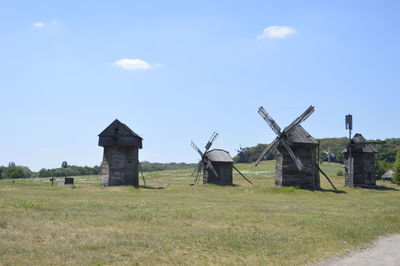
point(13, 172)
point(396, 174)
point(340, 172)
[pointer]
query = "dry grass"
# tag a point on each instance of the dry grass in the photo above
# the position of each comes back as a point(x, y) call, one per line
point(175, 223)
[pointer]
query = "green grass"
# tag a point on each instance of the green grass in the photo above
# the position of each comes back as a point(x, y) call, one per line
point(174, 223)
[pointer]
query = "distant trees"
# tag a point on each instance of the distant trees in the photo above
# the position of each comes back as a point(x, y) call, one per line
point(70, 170)
point(396, 174)
point(14, 171)
point(148, 166)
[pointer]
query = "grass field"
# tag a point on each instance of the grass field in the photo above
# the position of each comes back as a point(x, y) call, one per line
point(173, 223)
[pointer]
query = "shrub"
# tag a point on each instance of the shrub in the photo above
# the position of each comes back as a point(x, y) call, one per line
point(396, 174)
point(30, 205)
point(13, 172)
point(340, 172)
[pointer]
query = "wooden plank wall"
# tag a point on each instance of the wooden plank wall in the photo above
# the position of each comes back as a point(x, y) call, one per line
point(363, 169)
point(287, 173)
point(120, 166)
point(224, 171)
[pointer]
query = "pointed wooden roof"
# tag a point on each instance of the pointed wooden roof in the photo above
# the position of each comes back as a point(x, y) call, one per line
point(119, 134)
point(123, 130)
point(299, 135)
point(360, 144)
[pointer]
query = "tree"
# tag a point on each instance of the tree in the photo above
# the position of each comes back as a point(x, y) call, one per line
point(1, 171)
point(13, 172)
point(10, 164)
point(64, 164)
point(396, 174)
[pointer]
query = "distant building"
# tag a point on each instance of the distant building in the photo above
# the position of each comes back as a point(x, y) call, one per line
point(329, 157)
point(388, 175)
point(244, 155)
point(120, 164)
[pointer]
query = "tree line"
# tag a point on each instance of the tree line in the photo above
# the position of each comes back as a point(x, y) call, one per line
point(13, 171)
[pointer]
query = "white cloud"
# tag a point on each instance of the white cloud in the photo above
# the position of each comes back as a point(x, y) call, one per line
point(276, 32)
point(135, 64)
point(159, 65)
point(38, 24)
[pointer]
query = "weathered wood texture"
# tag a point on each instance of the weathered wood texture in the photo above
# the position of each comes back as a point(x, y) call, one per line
point(287, 173)
point(363, 169)
point(120, 164)
point(360, 165)
point(224, 171)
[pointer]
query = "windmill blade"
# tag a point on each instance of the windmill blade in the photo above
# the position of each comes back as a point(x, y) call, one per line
point(271, 122)
point(210, 167)
point(306, 114)
point(196, 168)
point(197, 149)
point(296, 159)
point(211, 141)
point(242, 174)
point(198, 171)
point(267, 151)
point(200, 167)
point(197, 177)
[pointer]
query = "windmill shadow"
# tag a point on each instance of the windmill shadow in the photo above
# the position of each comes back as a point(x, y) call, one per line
point(382, 188)
point(150, 187)
point(332, 191)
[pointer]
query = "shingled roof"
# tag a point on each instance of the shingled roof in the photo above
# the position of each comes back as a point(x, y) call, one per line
point(109, 131)
point(218, 155)
point(119, 134)
point(299, 135)
point(360, 144)
point(388, 175)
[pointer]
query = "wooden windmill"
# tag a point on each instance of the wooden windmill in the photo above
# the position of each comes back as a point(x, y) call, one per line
point(215, 165)
point(120, 164)
point(297, 153)
point(359, 159)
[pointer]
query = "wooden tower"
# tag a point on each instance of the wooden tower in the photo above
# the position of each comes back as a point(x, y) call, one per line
point(120, 164)
point(359, 159)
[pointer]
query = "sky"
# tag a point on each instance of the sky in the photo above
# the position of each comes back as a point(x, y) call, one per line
point(176, 71)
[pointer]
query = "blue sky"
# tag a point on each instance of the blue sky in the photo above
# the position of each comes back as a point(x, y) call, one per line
point(175, 71)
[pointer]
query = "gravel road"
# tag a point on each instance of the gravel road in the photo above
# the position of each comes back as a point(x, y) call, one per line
point(384, 251)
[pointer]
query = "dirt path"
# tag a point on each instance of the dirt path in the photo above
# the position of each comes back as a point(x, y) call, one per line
point(384, 251)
